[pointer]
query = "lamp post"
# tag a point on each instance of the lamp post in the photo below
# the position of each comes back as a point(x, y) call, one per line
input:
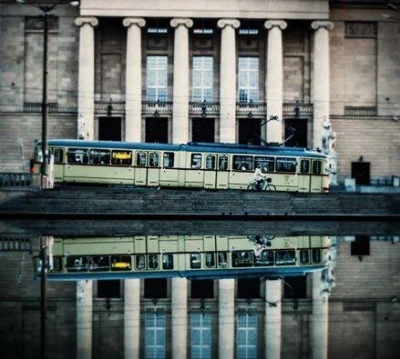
point(46, 10)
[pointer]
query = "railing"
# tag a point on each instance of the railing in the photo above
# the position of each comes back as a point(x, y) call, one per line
point(36, 107)
point(156, 108)
point(203, 108)
point(11, 179)
point(360, 111)
point(298, 109)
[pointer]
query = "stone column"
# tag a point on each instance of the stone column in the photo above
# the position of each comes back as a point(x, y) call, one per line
point(84, 307)
point(179, 317)
point(132, 318)
point(86, 77)
point(227, 97)
point(273, 319)
point(133, 88)
point(180, 107)
point(320, 82)
point(274, 80)
point(226, 319)
point(319, 320)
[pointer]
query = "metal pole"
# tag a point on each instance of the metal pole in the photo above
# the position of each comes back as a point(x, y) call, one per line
point(43, 296)
point(44, 165)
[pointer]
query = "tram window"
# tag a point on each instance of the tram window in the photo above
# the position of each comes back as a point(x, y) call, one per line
point(168, 261)
point(223, 163)
point(141, 159)
point(304, 256)
point(121, 263)
point(77, 155)
point(168, 159)
point(154, 159)
point(243, 163)
point(195, 160)
point(316, 256)
point(222, 259)
point(57, 264)
point(286, 164)
point(242, 259)
point(140, 262)
point(285, 257)
point(76, 263)
point(99, 157)
point(317, 167)
point(153, 261)
point(210, 162)
point(195, 260)
point(58, 155)
point(267, 164)
point(304, 166)
point(121, 158)
point(99, 263)
point(266, 258)
point(210, 260)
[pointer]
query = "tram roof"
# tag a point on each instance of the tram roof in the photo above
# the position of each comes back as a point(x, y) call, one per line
point(191, 147)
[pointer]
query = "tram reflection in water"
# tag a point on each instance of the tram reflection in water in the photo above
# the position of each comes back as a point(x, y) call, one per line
point(193, 257)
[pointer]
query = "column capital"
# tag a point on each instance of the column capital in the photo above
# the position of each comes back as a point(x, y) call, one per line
point(181, 21)
point(320, 23)
point(86, 20)
point(228, 22)
point(269, 24)
point(128, 21)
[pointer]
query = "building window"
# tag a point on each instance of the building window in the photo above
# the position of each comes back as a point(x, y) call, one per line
point(109, 289)
point(203, 68)
point(155, 335)
point(246, 341)
point(200, 335)
point(157, 78)
point(248, 79)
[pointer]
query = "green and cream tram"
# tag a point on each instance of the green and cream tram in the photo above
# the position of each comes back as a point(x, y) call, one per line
point(191, 257)
point(192, 165)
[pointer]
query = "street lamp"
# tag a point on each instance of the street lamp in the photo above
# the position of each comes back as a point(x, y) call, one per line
point(45, 9)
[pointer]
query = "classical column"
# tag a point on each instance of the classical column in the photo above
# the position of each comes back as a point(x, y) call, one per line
point(319, 319)
point(132, 318)
point(274, 80)
point(86, 77)
point(273, 319)
point(180, 107)
point(227, 97)
point(179, 317)
point(84, 307)
point(320, 83)
point(226, 318)
point(133, 88)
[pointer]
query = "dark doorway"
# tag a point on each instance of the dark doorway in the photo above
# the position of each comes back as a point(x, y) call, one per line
point(156, 130)
point(361, 172)
point(250, 131)
point(155, 288)
point(108, 289)
point(248, 288)
point(202, 288)
point(110, 129)
point(295, 287)
point(295, 132)
point(203, 130)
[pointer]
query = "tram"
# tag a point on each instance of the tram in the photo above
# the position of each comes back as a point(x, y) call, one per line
point(191, 165)
point(192, 257)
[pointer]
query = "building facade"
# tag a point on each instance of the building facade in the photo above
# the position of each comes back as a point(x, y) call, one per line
point(209, 71)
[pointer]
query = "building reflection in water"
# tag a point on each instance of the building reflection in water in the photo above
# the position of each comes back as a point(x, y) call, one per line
point(204, 296)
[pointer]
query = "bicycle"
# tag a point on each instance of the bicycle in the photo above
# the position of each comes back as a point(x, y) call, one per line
point(263, 185)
